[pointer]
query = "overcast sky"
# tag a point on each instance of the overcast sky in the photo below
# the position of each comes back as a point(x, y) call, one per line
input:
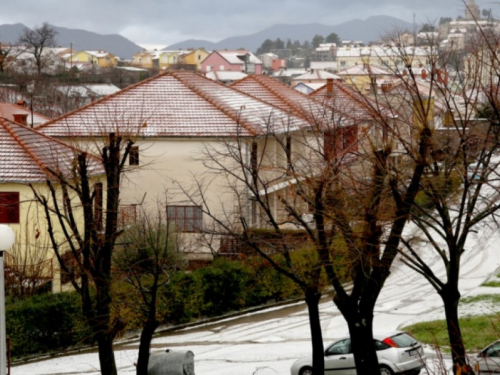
point(163, 22)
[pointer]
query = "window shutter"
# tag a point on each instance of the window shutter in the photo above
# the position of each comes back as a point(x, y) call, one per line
point(9, 207)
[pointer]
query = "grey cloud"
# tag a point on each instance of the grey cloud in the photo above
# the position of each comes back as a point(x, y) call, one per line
point(170, 21)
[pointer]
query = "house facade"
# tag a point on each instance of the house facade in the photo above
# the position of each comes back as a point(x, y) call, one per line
point(29, 160)
point(194, 58)
point(175, 118)
point(232, 60)
point(99, 58)
point(390, 58)
point(186, 126)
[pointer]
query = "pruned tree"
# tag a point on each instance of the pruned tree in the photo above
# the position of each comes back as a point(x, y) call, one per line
point(459, 191)
point(84, 212)
point(37, 40)
point(336, 181)
point(148, 255)
point(27, 264)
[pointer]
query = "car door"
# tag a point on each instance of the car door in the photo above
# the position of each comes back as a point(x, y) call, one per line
point(339, 359)
point(489, 359)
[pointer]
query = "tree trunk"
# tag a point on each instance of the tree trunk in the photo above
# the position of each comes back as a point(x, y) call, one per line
point(365, 357)
point(106, 354)
point(144, 346)
point(360, 322)
point(451, 297)
point(318, 351)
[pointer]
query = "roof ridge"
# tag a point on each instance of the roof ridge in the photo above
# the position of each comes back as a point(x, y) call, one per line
point(36, 159)
point(25, 109)
point(296, 108)
point(213, 102)
point(108, 97)
point(366, 102)
point(353, 95)
point(40, 134)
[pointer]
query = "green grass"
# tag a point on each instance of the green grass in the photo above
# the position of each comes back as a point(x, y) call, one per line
point(477, 332)
point(493, 284)
point(493, 298)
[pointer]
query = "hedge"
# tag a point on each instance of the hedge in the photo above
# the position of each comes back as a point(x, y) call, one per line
point(45, 323)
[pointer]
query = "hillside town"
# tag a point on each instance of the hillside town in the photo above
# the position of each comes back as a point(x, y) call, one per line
point(178, 186)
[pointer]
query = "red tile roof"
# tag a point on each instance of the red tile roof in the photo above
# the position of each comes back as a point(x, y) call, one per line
point(278, 94)
point(27, 156)
point(349, 103)
point(8, 110)
point(344, 102)
point(174, 104)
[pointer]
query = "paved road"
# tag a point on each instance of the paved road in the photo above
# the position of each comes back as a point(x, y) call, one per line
point(268, 342)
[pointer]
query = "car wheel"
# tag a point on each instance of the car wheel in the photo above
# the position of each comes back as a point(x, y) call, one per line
point(384, 370)
point(306, 371)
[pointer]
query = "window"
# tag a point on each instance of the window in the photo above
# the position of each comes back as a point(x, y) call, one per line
point(185, 218)
point(127, 215)
point(340, 140)
point(222, 67)
point(9, 207)
point(340, 347)
point(133, 156)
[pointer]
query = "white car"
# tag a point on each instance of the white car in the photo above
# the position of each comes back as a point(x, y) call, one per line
point(397, 352)
point(488, 361)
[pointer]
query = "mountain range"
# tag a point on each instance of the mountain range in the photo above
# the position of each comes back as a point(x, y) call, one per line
point(81, 40)
point(367, 30)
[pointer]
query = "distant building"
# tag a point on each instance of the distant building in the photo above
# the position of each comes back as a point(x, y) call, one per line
point(272, 62)
point(307, 88)
point(286, 75)
point(325, 52)
point(314, 76)
point(232, 60)
point(100, 58)
point(282, 53)
point(226, 77)
point(329, 66)
point(194, 57)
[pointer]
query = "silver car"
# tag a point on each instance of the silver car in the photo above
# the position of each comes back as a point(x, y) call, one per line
point(397, 352)
point(488, 359)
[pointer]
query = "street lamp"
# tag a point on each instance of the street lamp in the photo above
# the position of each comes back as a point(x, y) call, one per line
point(6, 241)
point(31, 89)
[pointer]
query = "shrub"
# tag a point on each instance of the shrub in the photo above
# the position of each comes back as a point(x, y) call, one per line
point(45, 323)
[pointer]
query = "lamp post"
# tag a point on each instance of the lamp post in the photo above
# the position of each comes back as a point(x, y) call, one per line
point(31, 88)
point(6, 241)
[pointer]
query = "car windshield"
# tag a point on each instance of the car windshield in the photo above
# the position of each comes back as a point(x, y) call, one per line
point(340, 347)
point(403, 340)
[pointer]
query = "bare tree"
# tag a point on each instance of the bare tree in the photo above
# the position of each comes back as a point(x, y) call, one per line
point(335, 181)
point(27, 264)
point(459, 191)
point(37, 40)
point(5, 50)
point(147, 257)
point(85, 251)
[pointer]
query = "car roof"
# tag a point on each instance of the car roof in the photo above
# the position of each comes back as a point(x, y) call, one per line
point(378, 335)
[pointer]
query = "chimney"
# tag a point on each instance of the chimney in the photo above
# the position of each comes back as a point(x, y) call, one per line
point(424, 74)
point(21, 118)
point(329, 87)
point(21, 103)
